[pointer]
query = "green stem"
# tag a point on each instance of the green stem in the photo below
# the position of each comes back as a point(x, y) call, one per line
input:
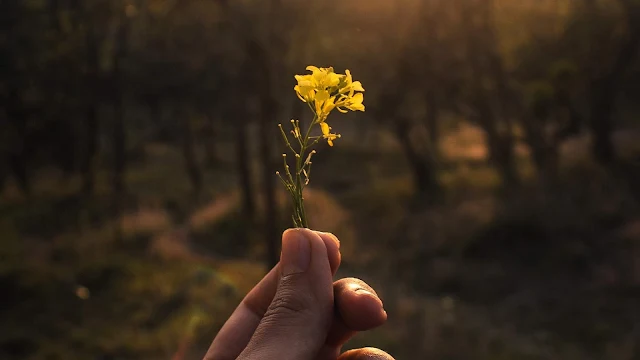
point(286, 140)
point(300, 183)
point(296, 186)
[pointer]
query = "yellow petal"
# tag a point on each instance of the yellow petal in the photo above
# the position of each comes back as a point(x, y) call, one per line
point(305, 82)
point(357, 86)
point(329, 105)
point(357, 107)
point(312, 69)
point(329, 142)
point(318, 79)
point(325, 128)
point(357, 98)
point(322, 95)
point(307, 92)
point(342, 110)
point(355, 103)
point(348, 74)
point(297, 89)
point(333, 79)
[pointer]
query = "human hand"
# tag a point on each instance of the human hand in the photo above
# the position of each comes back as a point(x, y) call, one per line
point(296, 313)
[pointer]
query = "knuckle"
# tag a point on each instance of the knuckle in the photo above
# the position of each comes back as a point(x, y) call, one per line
point(289, 301)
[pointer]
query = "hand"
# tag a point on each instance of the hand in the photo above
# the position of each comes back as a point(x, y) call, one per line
point(296, 313)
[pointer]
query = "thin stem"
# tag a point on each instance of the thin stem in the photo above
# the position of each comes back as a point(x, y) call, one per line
point(315, 141)
point(284, 182)
point(286, 168)
point(309, 170)
point(299, 188)
point(286, 140)
point(296, 126)
point(299, 165)
point(296, 186)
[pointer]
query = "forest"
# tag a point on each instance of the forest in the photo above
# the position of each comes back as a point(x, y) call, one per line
point(490, 192)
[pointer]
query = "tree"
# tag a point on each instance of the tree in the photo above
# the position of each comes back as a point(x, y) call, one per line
point(490, 94)
point(413, 59)
point(606, 83)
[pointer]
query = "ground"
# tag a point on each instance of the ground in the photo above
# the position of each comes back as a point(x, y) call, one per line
point(535, 275)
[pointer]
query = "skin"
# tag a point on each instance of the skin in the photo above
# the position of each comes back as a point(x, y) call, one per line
point(299, 312)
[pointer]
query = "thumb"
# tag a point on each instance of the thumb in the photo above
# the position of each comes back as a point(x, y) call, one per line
point(296, 324)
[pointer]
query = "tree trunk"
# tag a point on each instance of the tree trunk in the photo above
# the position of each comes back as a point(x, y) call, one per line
point(503, 157)
point(546, 159)
point(481, 44)
point(424, 176)
point(189, 155)
point(267, 126)
point(118, 135)
point(91, 147)
point(119, 163)
point(18, 164)
point(601, 125)
point(243, 162)
point(118, 131)
point(499, 145)
point(18, 159)
point(606, 88)
point(431, 123)
point(91, 125)
point(209, 132)
point(268, 179)
point(119, 151)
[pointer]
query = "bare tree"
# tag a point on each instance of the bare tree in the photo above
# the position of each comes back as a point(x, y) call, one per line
point(605, 84)
point(490, 93)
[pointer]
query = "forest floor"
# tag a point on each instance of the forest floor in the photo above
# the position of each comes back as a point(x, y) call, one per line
point(537, 274)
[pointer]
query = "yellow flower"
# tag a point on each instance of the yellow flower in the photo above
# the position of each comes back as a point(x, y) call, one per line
point(326, 133)
point(323, 78)
point(348, 85)
point(325, 90)
point(355, 102)
point(305, 89)
point(324, 104)
point(323, 84)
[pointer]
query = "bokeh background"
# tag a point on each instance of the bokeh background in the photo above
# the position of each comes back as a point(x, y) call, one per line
point(490, 192)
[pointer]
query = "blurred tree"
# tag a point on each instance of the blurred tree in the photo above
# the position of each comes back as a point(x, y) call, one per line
point(189, 151)
point(14, 111)
point(602, 38)
point(262, 51)
point(243, 163)
point(89, 21)
point(236, 108)
point(489, 93)
point(117, 86)
point(209, 132)
point(606, 82)
point(266, 66)
point(549, 117)
point(412, 59)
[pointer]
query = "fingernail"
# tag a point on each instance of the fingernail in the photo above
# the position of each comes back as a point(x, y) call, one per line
point(369, 293)
point(296, 252)
point(333, 237)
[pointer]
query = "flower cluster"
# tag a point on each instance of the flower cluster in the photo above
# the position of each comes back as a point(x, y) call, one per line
point(323, 90)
